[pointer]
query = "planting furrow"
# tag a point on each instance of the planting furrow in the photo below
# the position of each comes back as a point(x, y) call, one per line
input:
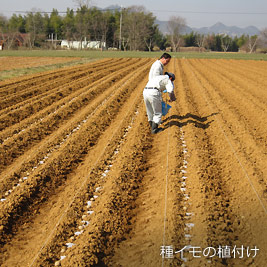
point(248, 125)
point(210, 174)
point(244, 84)
point(242, 187)
point(45, 88)
point(55, 171)
point(84, 182)
point(188, 219)
point(10, 87)
point(14, 62)
point(75, 219)
point(190, 122)
point(112, 210)
point(253, 69)
point(80, 76)
point(15, 146)
point(161, 216)
point(79, 90)
point(31, 106)
point(252, 118)
point(118, 130)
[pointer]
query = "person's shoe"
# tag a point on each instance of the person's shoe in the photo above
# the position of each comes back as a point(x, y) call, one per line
point(150, 123)
point(155, 128)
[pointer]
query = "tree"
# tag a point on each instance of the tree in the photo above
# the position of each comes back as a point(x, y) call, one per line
point(12, 31)
point(104, 27)
point(97, 24)
point(175, 26)
point(226, 42)
point(263, 34)
point(112, 28)
point(252, 42)
point(190, 39)
point(81, 3)
point(263, 38)
point(137, 28)
point(18, 23)
point(234, 45)
point(3, 21)
point(56, 24)
point(82, 22)
point(150, 35)
point(218, 43)
point(35, 26)
point(68, 25)
point(200, 41)
point(242, 40)
point(210, 42)
point(3, 26)
point(160, 40)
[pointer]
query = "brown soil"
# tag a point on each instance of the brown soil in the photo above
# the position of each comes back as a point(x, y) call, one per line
point(84, 182)
point(10, 63)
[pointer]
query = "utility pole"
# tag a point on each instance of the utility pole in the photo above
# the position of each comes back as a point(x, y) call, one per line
point(52, 39)
point(120, 29)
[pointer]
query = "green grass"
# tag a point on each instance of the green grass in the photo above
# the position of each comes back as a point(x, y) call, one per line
point(115, 54)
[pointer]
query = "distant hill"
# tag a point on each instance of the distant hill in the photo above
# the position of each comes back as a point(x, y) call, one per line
point(218, 28)
point(111, 7)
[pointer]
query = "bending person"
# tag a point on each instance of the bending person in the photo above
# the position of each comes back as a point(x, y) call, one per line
point(157, 67)
point(152, 97)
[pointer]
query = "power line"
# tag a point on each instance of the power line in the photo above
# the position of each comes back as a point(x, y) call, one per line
point(159, 11)
point(212, 12)
point(49, 12)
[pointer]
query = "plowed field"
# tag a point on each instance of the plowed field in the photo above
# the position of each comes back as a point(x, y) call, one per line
point(84, 182)
point(9, 63)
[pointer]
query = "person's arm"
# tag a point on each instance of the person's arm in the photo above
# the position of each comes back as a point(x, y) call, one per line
point(170, 90)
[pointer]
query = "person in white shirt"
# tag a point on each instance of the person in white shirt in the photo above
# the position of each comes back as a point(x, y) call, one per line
point(157, 67)
point(152, 98)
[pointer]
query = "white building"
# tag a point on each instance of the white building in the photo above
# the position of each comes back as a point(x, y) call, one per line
point(82, 44)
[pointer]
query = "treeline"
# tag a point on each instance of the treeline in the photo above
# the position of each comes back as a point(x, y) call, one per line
point(222, 42)
point(130, 28)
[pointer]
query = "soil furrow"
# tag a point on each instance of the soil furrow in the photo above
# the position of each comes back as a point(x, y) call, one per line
point(31, 107)
point(45, 88)
point(85, 183)
point(78, 89)
point(67, 226)
point(18, 145)
point(53, 173)
point(244, 86)
point(13, 62)
point(248, 128)
point(255, 73)
point(114, 211)
point(217, 211)
point(16, 85)
point(151, 225)
point(240, 195)
point(95, 174)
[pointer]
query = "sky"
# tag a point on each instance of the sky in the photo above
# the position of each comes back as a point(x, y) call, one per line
point(198, 13)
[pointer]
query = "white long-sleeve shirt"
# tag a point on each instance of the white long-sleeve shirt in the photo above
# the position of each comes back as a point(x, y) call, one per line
point(161, 82)
point(156, 69)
